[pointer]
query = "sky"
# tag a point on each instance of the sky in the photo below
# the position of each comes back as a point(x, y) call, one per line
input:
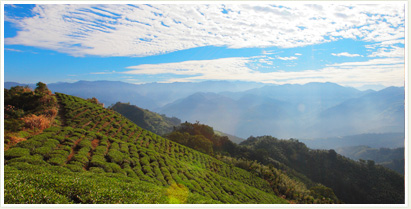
point(282, 43)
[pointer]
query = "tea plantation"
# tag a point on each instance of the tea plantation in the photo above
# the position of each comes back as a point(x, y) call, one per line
point(95, 155)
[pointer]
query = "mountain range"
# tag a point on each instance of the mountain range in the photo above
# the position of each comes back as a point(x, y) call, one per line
point(310, 111)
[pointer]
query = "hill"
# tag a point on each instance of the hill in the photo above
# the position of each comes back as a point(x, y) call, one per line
point(353, 182)
point(232, 138)
point(156, 123)
point(108, 154)
point(97, 153)
point(389, 158)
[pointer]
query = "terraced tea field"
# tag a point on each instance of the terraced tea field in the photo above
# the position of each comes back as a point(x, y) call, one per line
point(97, 144)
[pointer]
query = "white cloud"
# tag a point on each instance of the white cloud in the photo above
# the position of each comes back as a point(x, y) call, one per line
point(18, 50)
point(225, 68)
point(103, 73)
point(13, 50)
point(297, 54)
point(287, 58)
point(393, 52)
point(143, 30)
point(387, 72)
point(345, 54)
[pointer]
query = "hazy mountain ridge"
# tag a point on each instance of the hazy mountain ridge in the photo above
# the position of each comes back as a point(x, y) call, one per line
point(313, 110)
point(376, 112)
point(389, 158)
point(373, 140)
point(149, 95)
point(303, 115)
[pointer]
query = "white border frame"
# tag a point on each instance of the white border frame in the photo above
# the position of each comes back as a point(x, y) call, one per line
point(406, 88)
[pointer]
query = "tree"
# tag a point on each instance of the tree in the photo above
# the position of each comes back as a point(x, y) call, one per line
point(42, 88)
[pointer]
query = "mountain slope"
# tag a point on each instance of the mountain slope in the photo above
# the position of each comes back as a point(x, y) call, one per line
point(352, 182)
point(101, 141)
point(158, 124)
point(110, 154)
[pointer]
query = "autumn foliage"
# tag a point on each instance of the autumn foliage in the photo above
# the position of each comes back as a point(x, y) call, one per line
point(27, 112)
point(40, 122)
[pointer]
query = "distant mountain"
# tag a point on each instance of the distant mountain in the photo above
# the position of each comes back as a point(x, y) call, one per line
point(387, 140)
point(309, 97)
point(107, 92)
point(389, 158)
point(156, 123)
point(208, 108)
point(373, 87)
point(249, 115)
point(150, 95)
point(232, 138)
point(8, 85)
point(367, 153)
point(314, 110)
point(376, 112)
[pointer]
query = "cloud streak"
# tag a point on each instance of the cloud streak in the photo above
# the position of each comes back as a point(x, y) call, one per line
point(387, 71)
point(345, 54)
point(145, 30)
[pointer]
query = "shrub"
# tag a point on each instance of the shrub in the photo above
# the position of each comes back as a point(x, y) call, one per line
point(116, 168)
point(96, 170)
point(33, 121)
point(74, 167)
point(83, 159)
point(115, 156)
point(124, 148)
point(147, 170)
point(85, 143)
point(100, 150)
point(58, 160)
point(61, 139)
point(16, 152)
point(177, 194)
point(31, 159)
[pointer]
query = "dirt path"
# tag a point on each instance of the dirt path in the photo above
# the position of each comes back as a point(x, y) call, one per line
point(61, 113)
point(94, 144)
point(73, 148)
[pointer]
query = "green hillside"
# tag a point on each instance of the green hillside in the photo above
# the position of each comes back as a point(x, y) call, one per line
point(97, 153)
point(353, 182)
point(85, 153)
point(156, 123)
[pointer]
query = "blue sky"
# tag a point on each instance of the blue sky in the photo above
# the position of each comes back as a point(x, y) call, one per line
point(352, 45)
